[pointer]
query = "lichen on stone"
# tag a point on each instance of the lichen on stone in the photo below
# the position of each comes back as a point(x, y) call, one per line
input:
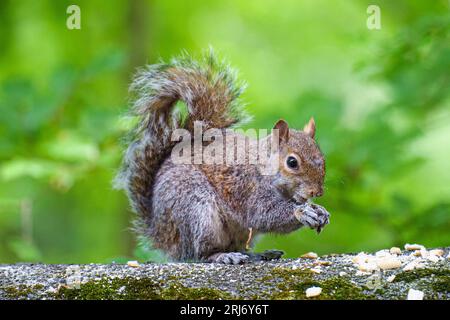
point(283, 279)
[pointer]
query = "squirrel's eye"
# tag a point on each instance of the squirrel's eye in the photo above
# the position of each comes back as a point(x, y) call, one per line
point(292, 162)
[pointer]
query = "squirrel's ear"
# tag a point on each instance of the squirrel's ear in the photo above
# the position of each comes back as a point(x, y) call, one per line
point(310, 128)
point(283, 130)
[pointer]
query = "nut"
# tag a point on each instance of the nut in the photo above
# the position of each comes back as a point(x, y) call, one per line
point(388, 263)
point(413, 265)
point(415, 295)
point(390, 278)
point(382, 253)
point(310, 255)
point(395, 250)
point(316, 270)
point(313, 292)
point(437, 252)
point(368, 267)
point(133, 264)
point(412, 247)
point(417, 253)
point(433, 258)
point(360, 258)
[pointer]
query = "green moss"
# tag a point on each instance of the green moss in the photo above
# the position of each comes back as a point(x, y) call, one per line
point(21, 292)
point(336, 288)
point(295, 282)
point(441, 285)
point(15, 293)
point(180, 292)
point(420, 274)
point(137, 289)
point(279, 283)
point(435, 282)
point(287, 273)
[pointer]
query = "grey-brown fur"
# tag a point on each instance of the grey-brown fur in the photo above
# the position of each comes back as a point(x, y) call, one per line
point(204, 212)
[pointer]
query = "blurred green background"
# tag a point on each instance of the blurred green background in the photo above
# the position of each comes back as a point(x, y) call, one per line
point(380, 98)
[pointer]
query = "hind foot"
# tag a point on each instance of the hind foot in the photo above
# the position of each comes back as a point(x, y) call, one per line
point(229, 258)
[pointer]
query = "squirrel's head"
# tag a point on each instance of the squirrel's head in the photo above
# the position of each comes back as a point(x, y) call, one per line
point(301, 167)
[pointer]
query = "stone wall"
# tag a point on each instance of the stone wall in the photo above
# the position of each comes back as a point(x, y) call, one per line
point(382, 275)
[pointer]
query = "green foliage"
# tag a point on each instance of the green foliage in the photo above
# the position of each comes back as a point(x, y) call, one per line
point(380, 99)
point(25, 251)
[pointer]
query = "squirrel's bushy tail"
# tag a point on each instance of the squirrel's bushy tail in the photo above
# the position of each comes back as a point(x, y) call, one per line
point(210, 91)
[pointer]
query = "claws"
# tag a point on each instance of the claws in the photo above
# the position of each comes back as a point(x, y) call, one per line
point(313, 216)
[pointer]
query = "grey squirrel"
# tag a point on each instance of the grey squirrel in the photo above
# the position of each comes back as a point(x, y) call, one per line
point(203, 212)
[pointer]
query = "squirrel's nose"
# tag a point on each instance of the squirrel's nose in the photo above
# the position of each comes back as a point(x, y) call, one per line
point(315, 193)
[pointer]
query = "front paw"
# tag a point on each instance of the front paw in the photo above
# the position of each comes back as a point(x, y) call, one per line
point(323, 214)
point(313, 216)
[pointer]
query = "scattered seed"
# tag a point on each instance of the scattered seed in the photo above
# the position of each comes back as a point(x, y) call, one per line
point(395, 250)
point(390, 278)
point(310, 255)
point(415, 295)
point(133, 264)
point(316, 270)
point(324, 263)
point(416, 253)
point(368, 267)
point(433, 258)
point(313, 292)
point(410, 266)
point(412, 247)
point(52, 290)
point(437, 252)
point(360, 258)
point(388, 263)
point(382, 253)
point(413, 265)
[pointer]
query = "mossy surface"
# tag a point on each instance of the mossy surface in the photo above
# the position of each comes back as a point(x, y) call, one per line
point(436, 281)
point(294, 283)
point(137, 289)
point(283, 279)
point(21, 292)
point(423, 274)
